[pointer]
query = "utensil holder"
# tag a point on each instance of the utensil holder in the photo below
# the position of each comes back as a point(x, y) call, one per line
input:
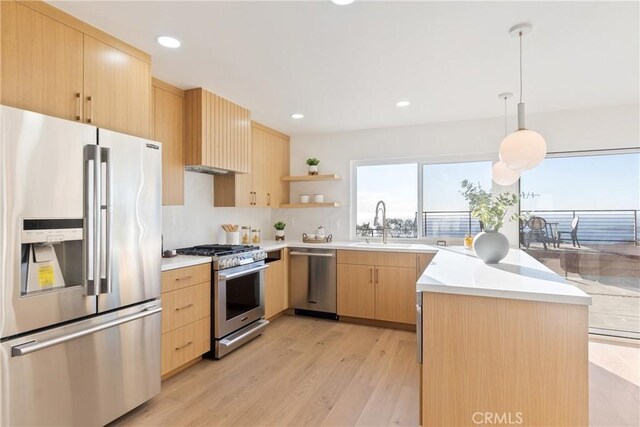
point(233, 237)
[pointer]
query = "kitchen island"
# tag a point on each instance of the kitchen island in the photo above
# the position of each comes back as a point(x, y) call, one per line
point(502, 343)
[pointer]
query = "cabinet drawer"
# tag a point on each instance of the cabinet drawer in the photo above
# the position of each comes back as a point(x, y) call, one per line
point(390, 259)
point(185, 344)
point(185, 277)
point(185, 306)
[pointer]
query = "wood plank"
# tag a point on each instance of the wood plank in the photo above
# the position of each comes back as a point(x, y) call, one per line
point(266, 382)
point(184, 344)
point(83, 27)
point(117, 89)
point(183, 277)
point(42, 63)
point(356, 291)
point(303, 178)
point(395, 294)
point(504, 356)
point(186, 305)
point(168, 128)
point(272, 131)
point(311, 205)
point(377, 258)
point(167, 87)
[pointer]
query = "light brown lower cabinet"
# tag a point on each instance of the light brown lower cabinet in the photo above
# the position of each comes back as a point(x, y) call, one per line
point(377, 285)
point(499, 361)
point(277, 286)
point(186, 316)
point(356, 294)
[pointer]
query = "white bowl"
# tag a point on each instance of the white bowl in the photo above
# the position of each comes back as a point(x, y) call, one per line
point(304, 198)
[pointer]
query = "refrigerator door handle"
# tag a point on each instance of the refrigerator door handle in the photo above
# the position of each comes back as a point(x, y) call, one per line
point(91, 219)
point(33, 346)
point(106, 212)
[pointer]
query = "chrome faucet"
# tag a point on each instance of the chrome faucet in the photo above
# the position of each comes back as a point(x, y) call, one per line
point(376, 221)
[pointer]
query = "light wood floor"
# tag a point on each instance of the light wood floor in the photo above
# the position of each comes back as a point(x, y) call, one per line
point(310, 372)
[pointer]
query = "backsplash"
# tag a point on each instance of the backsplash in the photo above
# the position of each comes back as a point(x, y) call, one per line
point(198, 222)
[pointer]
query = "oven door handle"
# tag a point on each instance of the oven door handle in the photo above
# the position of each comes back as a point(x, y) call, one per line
point(242, 273)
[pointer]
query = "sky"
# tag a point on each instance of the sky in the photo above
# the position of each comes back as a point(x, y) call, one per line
point(605, 182)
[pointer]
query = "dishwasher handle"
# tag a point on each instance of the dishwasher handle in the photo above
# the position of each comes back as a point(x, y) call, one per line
point(323, 255)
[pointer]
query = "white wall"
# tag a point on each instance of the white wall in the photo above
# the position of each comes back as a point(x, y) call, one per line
point(198, 222)
point(586, 129)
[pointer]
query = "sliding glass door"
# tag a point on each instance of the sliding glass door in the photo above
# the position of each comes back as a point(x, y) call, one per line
point(582, 221)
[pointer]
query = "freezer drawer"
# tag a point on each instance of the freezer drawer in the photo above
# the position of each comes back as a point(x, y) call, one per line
point(86, 373)
point(313, 279)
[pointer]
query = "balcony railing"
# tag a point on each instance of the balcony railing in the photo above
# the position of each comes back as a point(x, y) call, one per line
point(595, 226)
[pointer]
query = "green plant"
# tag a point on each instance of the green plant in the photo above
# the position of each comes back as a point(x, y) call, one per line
point(313, 161)
point(488, 209)
point(280, 225)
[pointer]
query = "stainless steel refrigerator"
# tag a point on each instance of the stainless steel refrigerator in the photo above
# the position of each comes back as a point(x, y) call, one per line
point(80, 281)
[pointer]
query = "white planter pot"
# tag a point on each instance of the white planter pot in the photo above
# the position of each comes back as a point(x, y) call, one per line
point(279, 234)
point(491, 246)
point(313, 170)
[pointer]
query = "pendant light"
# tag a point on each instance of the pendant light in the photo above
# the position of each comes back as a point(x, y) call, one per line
point(523, 149)
point(500, 173)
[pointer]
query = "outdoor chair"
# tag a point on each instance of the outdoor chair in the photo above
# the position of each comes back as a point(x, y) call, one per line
point(573, 233)
point(537, 231)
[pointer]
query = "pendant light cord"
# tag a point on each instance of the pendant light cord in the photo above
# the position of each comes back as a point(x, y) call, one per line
point(505, 116)
point(520, 35)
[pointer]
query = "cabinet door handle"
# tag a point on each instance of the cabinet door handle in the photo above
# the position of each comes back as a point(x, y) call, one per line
point(78, 106)
point(371, 275)
point(255, 198)
point(268, 199)
point(183, 346)
point(183, 278)
point(183, 307)
point(90, 102)
point(377, 275)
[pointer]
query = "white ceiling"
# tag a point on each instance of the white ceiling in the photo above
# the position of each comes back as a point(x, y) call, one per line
point(344, 67)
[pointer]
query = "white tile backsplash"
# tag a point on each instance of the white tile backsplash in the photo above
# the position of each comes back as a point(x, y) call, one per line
point(198, 222)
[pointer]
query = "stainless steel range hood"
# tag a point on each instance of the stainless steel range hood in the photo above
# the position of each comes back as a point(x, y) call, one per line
point(207, 170)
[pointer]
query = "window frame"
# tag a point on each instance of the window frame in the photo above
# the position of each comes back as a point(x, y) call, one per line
point(419, 162)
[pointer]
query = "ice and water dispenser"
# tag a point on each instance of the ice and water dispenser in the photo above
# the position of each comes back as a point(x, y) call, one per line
point(51, 254)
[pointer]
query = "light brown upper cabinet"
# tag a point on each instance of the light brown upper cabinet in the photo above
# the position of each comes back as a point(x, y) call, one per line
point(167, 128)
point(41, 63)
point(217, 133)
point(117, 89)
point(262, 186)
point(55, 64)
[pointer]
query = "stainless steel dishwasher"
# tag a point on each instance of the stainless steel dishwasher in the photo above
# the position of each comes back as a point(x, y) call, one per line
point(313, 282)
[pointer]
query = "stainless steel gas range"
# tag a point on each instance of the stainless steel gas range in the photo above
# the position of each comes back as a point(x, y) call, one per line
point(237, 297)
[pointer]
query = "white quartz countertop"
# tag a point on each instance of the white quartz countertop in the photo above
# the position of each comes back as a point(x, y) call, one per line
point(455, 270)
point(181, 261)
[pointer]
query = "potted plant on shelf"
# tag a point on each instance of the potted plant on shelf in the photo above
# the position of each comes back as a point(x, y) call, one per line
point(279, 226)
point(313, 165)
point(489, 245)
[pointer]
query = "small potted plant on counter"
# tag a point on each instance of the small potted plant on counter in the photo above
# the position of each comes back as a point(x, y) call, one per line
point(313, 165)
point(279, 226)
point(489, 245)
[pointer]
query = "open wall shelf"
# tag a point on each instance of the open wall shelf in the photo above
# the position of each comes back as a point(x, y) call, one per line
point(303, 178)
point(312, 205)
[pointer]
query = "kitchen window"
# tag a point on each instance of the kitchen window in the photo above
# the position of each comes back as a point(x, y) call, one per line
point(397, 186)
point(422, 199)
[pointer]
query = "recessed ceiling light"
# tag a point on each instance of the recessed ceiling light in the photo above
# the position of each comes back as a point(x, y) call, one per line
point(342, 2)
point(170, 42)
point(403, 104)
point(297, 116)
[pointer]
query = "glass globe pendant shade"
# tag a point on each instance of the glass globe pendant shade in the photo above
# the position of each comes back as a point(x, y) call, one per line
point(502, 175)
point(522, 150)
